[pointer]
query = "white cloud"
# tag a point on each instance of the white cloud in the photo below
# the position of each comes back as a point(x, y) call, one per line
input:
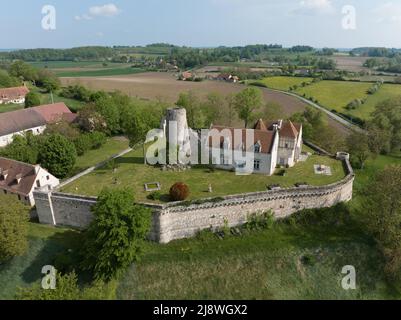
point(388, 13)
point(315, 7)
point(107, 10)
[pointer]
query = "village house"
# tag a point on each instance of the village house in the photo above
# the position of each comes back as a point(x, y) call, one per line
point(20, 179)
point(32, 120)
point(186, 75)
point(274, 144)
point(13, 95)
point(227, 77)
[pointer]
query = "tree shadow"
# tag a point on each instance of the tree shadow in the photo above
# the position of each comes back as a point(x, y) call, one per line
point(61, 250)
point(130, 160)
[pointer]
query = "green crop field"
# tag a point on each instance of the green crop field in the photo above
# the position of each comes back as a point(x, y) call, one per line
point(387, 91)
point(133, 173)
point(76, 64)
point(101, 72)
point(336, 95)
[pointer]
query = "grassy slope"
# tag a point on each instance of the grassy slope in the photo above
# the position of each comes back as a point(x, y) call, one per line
point(260, 265)
point(44, 243)
point(133, 173)
point(112, 147)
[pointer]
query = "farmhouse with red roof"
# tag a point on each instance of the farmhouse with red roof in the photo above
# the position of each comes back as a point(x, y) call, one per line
point(13, 95)
point(33, 120)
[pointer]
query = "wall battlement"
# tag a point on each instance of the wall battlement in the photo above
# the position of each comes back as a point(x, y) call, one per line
point(183, 220)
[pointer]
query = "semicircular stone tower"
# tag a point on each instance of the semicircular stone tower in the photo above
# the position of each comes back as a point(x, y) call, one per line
point(176, 130)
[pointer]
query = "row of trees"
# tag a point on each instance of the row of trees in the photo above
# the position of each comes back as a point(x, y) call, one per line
point(382, 136)
point(247, 106)
point(19, 71)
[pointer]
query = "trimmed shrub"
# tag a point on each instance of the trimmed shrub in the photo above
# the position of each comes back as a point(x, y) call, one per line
point(179, 192)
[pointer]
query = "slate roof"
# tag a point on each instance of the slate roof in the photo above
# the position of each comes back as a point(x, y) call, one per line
point(13, 170)
point(20, 120)
point(264, 137)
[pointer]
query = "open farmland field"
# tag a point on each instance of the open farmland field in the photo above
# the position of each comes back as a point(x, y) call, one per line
point(284, 83)
point(132, 172)
point(336, 94)
point(348, 63)
point(164, 86)
point(104, 72)
point(387, 91)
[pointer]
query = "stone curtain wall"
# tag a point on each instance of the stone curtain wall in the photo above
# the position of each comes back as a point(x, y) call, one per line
point(175, 221)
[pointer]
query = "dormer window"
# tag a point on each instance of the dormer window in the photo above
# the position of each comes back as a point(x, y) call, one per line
point(3, 174)
point(18, 178)
point(258, 147)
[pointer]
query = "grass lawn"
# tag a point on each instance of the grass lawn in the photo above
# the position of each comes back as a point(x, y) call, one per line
point(266, 264)
point(133, 173)
point(10, 107)
point(44, 243)
point(101, 72)
point(112, 147)
point(335, 95)
point(284, 83)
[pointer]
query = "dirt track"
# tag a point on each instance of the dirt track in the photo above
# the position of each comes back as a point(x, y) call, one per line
point(164, 86)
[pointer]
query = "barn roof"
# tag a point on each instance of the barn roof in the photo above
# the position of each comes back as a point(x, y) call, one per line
point(20, 120)
point(13, 93)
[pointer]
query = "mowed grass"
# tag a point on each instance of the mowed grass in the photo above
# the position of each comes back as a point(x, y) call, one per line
point(101, 72)
point(267, 264)
point(284, 83)
point(44, 244)
point(112, 147)
point(336, 95)
point(133, 173)
point(10, 107)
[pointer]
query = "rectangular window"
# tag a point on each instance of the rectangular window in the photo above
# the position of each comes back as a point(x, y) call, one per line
point(256, 164)
point(38, 183)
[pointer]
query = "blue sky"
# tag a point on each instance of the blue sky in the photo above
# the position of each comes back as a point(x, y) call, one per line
point(200, 23)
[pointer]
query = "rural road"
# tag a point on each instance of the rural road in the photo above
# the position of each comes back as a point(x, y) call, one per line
point(329, 113)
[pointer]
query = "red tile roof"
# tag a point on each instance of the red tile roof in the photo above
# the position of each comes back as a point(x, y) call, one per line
point(13, 170)
point(53, 112)
point(13, 93)
point(289, 130)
